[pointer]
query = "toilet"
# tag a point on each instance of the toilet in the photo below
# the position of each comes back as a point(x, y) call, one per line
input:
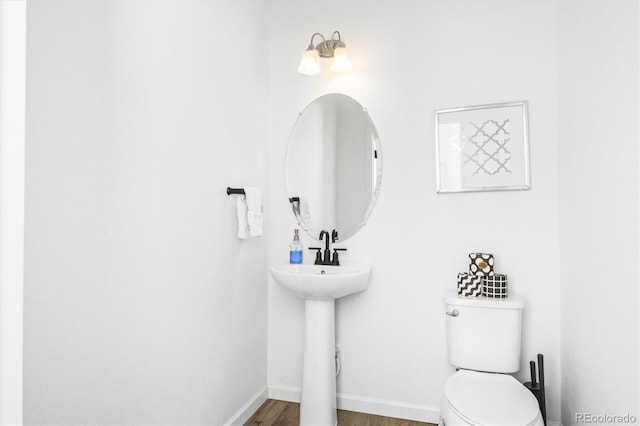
point(483, 343)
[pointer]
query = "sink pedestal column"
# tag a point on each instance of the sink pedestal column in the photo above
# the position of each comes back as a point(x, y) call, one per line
point(318, 405)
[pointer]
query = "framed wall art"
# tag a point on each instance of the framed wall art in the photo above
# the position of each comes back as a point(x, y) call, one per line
point(483, 148)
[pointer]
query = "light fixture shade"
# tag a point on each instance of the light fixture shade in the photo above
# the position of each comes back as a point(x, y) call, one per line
point(341, 60)
point(310, 62)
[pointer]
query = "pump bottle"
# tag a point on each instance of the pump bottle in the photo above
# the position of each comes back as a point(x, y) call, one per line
point(295, 249)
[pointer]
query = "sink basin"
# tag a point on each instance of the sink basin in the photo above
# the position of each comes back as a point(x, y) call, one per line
point(323, 282)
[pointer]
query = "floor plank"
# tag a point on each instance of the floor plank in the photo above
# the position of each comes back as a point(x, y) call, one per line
point(268, 413)
point(281, 413)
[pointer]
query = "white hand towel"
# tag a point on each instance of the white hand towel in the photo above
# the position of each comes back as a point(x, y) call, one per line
point(254, 211)
point(243, 225)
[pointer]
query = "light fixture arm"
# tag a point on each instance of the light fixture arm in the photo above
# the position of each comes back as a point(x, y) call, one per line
point(311, 45)
point(338, 42)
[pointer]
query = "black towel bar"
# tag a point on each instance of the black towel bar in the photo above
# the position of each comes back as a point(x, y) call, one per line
point(237, 191)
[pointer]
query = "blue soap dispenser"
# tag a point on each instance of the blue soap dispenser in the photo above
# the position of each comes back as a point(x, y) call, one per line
point(295, 249)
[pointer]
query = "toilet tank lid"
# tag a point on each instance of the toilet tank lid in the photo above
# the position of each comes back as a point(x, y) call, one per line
point(511, 302)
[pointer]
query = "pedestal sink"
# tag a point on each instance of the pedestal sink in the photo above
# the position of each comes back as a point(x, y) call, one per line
point(320, 285)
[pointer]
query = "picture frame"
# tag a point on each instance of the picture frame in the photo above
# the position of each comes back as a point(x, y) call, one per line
point(483, 148)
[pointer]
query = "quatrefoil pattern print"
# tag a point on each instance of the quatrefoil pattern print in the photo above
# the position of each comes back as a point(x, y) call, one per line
point(485, 148)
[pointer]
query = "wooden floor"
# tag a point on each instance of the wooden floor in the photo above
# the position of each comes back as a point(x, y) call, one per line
point(281, 413)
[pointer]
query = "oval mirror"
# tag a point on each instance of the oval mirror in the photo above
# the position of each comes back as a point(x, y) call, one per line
point(333, 166)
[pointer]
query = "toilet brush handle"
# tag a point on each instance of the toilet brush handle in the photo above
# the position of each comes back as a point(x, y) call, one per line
point(532, 366)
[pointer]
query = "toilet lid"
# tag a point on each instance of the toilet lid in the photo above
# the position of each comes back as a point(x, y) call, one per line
point(491, 399)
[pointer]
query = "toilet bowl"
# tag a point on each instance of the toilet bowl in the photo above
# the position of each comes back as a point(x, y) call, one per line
point(488, 399)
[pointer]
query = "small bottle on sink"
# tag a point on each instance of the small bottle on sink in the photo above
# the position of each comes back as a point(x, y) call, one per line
point(295, 249)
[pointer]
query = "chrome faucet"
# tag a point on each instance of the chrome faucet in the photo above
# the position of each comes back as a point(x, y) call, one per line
point(326, 259)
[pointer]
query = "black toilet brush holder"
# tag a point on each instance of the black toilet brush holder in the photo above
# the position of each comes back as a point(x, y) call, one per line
point(537, 386)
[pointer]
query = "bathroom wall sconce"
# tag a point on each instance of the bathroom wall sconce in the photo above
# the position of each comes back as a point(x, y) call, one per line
point(332, 48)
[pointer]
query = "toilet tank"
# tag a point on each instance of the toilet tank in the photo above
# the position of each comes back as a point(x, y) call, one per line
point(484, 334)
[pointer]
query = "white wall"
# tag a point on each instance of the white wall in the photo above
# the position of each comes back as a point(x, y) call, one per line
point(599, 110)
point(140, 305)
point(411, 58)
point(13, 34)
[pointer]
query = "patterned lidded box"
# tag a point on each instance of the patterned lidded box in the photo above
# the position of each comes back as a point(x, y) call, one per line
point(481, 264)
point(495, 286)
point(469, 285)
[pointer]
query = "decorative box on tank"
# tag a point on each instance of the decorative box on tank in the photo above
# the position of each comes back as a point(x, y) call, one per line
point(495, 286)
point(481, 264)
point(469, 285)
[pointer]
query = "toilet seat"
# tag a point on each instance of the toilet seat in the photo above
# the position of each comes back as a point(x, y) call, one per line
point(491, 399)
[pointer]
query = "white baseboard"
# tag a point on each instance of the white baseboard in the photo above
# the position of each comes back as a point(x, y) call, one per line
point(284, 393)
point(379, 407)
point(388, 408)
point(248, 409)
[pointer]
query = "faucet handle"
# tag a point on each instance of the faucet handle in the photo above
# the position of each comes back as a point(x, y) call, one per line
point(336, 259)
point(318, 255)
